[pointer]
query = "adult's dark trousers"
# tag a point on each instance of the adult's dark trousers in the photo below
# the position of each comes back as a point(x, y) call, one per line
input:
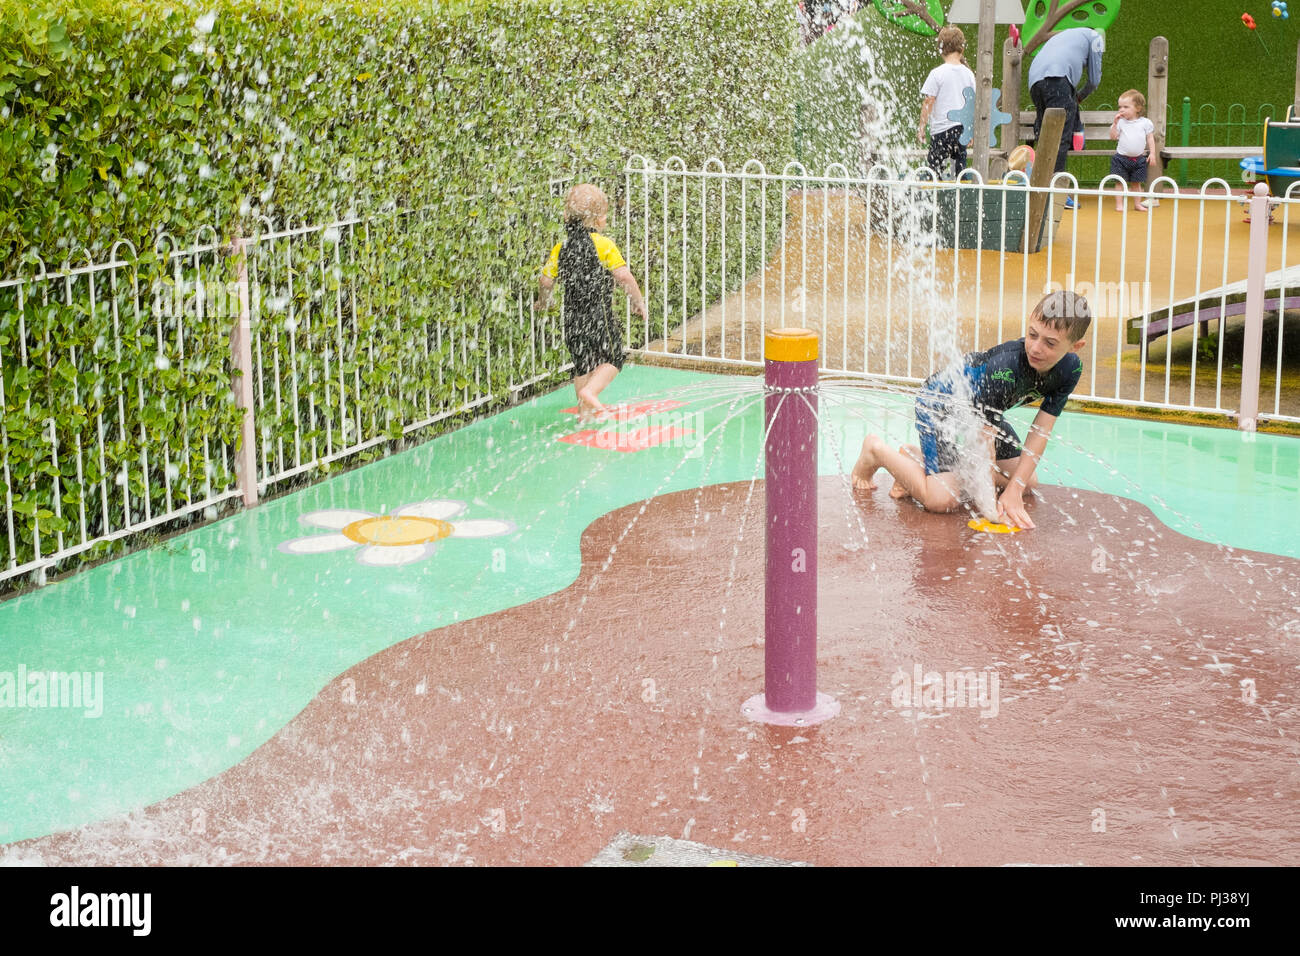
point(1056, 91)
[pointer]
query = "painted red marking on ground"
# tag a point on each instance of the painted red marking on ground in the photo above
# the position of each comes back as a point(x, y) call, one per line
point(630, 410)
point(612, 440)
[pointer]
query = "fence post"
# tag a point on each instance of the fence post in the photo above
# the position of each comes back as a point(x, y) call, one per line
point(1185, 138)
point(1157, 100)
point(1296, 102)
point(241, 363)
point(1248, 408)
point(983, 89)
point(1011, 57)
point(798, 132)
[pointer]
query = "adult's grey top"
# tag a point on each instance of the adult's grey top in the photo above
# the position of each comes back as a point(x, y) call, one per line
point(1066, 54)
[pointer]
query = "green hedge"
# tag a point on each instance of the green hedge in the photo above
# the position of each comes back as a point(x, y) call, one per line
point(438, 125)
point(121, 118)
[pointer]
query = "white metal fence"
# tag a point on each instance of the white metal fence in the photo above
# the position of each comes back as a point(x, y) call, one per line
point(896, 271)
point(132, 387)
point(161, 383)
point(319, 393)
point(125, 454)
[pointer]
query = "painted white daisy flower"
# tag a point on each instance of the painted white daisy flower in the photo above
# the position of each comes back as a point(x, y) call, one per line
point(410, 533)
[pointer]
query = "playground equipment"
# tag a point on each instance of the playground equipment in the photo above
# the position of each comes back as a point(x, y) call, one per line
point(987, 13)
point(790, 695)
point(966, 116)
point(972, 218)
point(1280, 164)
point(1281, 290)
point(1282, 152)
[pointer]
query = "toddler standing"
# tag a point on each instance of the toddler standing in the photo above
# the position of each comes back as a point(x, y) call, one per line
point(1136, 143)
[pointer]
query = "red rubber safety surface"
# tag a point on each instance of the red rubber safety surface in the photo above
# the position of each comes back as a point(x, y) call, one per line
point(1144, 710)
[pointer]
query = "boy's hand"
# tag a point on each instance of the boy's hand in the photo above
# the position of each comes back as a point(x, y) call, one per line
point(1011, 507)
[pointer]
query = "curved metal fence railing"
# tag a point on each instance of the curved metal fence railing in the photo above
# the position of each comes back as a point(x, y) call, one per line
point(154, 386)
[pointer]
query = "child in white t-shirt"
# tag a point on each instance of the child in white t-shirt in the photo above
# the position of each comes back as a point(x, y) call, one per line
point(943, 92)
point(1136, 144)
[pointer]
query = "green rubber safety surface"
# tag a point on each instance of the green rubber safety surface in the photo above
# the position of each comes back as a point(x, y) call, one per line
point(205, 646)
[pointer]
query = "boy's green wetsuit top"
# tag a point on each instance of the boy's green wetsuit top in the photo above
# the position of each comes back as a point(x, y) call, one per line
point(999, 378)
point(1002, 378)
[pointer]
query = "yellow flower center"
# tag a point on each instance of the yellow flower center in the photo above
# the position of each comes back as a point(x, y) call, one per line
point(397, 530)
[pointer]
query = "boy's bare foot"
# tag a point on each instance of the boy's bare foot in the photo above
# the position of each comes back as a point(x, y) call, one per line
point(1141, 207)
point(865, 468)
point(898, 491)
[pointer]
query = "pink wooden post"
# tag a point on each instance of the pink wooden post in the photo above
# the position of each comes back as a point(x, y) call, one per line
point(1248, 408)
point(790, 696)
point(241, 355)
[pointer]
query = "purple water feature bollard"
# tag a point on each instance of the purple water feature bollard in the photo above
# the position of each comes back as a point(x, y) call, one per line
point(790, 697)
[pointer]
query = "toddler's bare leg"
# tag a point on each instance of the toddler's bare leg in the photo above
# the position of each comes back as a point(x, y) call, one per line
point(585, 412)
point(594, 383)
point(1138, 204)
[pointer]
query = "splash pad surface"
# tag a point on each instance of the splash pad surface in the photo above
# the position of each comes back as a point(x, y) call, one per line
point(563, 695)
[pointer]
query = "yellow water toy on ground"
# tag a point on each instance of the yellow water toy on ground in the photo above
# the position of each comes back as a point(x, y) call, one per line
point(992, 527)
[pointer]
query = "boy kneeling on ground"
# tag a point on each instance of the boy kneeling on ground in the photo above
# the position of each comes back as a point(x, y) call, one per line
point(1045, 365)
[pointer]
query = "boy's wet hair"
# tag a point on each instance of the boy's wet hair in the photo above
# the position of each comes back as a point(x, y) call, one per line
point(1137, 99)
point(585, 204)
point(951, 40)
point(1064, 311)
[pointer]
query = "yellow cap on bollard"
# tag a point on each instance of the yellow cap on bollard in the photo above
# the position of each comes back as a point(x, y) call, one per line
point(790, 345)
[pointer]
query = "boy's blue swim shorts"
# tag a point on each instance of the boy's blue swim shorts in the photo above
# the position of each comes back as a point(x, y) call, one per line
point(941, 454)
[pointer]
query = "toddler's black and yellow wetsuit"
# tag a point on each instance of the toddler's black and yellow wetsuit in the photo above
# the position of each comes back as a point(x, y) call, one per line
point(585, 262)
